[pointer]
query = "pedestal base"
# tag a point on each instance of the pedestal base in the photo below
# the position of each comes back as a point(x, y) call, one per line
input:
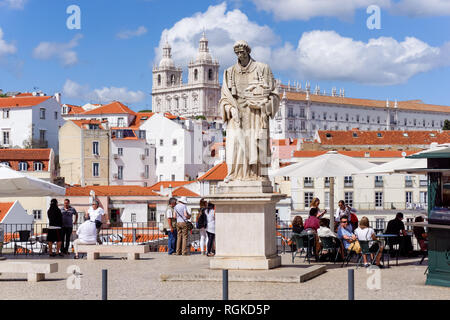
point(245, 263)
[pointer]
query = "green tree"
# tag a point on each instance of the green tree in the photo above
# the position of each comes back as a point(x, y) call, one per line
point(446, 125)
point(145, 111)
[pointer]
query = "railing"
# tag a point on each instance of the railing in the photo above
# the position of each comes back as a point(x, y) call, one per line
point(348, 184)
point(125, 234)
point(408, 183)
point(309, 184)
point(378, 184)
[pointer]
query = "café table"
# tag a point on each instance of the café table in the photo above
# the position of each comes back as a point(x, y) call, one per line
point(385, 237)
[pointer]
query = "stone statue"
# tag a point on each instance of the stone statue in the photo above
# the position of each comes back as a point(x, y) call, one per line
point(249, 97)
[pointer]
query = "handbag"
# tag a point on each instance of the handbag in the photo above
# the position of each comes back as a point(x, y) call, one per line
point(189, 224)
point(355, 246)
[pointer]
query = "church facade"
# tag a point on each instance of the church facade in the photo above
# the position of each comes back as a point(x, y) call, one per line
point(199, 96)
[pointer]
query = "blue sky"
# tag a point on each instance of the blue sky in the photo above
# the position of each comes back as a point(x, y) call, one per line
point(325, 42)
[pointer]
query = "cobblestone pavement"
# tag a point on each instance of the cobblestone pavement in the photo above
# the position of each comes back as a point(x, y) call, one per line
point(141, 280)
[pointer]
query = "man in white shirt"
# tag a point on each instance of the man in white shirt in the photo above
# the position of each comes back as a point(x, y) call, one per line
point(87, 234)
point(95, 215)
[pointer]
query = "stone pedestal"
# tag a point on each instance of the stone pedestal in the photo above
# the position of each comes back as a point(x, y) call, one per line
point(245, 226)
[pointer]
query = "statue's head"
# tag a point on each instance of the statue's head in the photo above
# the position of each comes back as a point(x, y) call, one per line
point(242, 50)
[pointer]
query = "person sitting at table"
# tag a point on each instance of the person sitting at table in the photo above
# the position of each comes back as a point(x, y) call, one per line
point(312, 224)
point(297, 225)
point(347, 237)
point(315, 204)
point(420, 234)
point(397, 227)
point(366, 233)
point(325, 231)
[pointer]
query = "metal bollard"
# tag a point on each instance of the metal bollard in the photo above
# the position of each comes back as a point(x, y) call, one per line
point(104, 284)
point(351, 284)
point(225, 284)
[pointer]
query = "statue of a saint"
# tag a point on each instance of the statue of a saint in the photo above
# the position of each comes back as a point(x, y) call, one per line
point(249, 97)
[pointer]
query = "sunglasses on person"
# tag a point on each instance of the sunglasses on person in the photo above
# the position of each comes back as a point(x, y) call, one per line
point(344, 221)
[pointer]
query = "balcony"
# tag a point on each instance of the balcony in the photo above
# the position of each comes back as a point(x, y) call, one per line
point(378, 184)
point(423, 183)
point(408, 183)
point(308, 184)
point(39, 144)
point(116, 156)
point(349, 184)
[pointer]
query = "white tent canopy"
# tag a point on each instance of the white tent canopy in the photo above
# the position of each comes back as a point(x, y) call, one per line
point(402, 164)
point(16, 184)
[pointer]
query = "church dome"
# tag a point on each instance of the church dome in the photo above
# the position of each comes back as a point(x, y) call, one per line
point(166, 61)
point(203, 54)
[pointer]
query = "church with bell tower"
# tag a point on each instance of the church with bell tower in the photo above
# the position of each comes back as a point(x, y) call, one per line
point(199, 96)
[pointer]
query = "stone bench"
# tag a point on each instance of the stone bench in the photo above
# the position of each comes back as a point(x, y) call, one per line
point(35, 271)
point(132, 251)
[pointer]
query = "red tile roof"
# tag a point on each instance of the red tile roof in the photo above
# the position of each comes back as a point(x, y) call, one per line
point(140, 118)
point(26, 101)
point(25, 154)
point(110, 191)
point(183, 192)
point(284, 142)
point(357, 154)
point(416, 105)
point(356, 137)
point(4, 208)
point(75, 109)
point(114, 107)
point(166, 184)
point(217, 173)
point(82, 123)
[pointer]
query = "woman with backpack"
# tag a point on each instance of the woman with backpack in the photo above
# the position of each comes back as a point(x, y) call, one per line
point(201, 226)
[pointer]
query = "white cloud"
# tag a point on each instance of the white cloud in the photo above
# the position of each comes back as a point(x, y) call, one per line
point(222, 29)
point(308, 9)
point(62, 51)
point(6, 48)
point(74, 90)
point(127, 34)
point(14, 4)
point(325, 55)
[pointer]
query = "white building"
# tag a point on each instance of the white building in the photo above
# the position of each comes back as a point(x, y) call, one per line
point(302, 112)
point(30, 121)
point(199, 96)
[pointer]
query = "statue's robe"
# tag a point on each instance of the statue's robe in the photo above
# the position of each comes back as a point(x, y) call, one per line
point(247, 140)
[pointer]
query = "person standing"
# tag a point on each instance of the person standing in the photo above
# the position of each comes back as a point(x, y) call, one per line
point(172, 221)
point(95, 214)
point(67, 225)
point(211, 228)
point(54, 228)
point(201, 226)
point(315, 204)
point(182, 229)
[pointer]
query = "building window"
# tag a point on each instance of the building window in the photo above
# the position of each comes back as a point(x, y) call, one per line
point(348, 181)
point(408, 197)
point(195, 74)
point(308, 182)
point(210, 75)
point(120, 172)
point(378, 120)
point(348, 196)
point(42, 135)
point(378, 199)
point(159, 79)
point(161, 177)
point(23, 166)
point(313, 115)
point(38, 166)
point(379, 223)
point(37, 214)
point(174, 159)
point(415, 121)
point(120, 122)
point(6, 137)
point(161, 142)
point(174, 142)
point(346, 117)
point(378, 181)
point(335, 117)
point(423, 197)
point(120, 151)
point(5, 113)
point(42, 113)
point(147, 171)
point(161, 159)
point(56, 115)
point(147, 152)
point(290, 112)
point(302, 112)
point(95, 169)
point(327, 199)
point(324, 116)
point(173, 177)
point(133, 217)
point(172, 79)
point(308, 198)
point(408, 182)
point(357, 118)
point(142, 134)
point(95, 148)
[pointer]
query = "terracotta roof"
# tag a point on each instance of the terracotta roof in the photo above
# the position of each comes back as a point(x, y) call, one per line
point(75, 109)
point(4, 208)
point(26, 101)
point(140, 118)
point(82, 123)
point(416, 105)
point(357, 154)
point(217, 173)
point(110, 191)
point(183, 192)
point(166, 184)
point(356, 137)
point(114, 107)
point(24, 154)
point(172, 117)
point(284, 142)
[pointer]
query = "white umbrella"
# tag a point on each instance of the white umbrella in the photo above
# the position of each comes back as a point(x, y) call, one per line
point(331, 164)
point(395, 166)
point(14, 183)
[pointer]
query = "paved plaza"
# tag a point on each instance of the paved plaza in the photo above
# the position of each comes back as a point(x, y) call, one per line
point(142, 280)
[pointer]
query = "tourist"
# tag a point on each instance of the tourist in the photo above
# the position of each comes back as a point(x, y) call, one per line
point(182, 229)
point(420, 234)
point(95, 214)
point(211, 228)
point(315, 204)
point(297, 225)
point(365, 233)
point(312, 222)
point(171, 226)
point(87, 234)
point(342, 210)
point(68, 213)
point(201, 226)
point(324, 229)
point(54, 228)
point(397, 227)
point(347, 237)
